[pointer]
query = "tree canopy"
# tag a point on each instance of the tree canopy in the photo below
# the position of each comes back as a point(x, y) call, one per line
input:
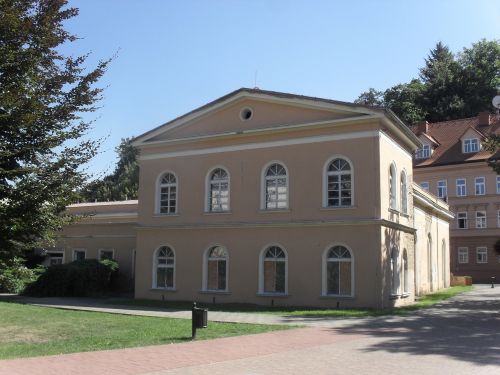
point(43, 97)
point(450, 86)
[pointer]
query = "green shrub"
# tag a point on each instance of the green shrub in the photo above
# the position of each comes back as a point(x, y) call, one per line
point(81, 278)
point(15, 276)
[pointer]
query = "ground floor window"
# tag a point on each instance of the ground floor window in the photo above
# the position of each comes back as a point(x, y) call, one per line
point(164, 268)
point(463, 255)
point(79, 254)
point(55, 257)
point(106, 254)
point(217, 262)
point(338, 268)
point(406, 279)
point(274, 270)
point(482, 255)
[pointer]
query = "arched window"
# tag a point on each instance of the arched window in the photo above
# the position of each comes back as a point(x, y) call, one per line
point(406, 280)
point(338, 183)
point(338, 271)
point(167, 199)
point(404, 193)
point(443, 263)
point(429, 260)
point(216, 269)
point(275, 187)
point(393, 203)
point(164, 268)
point(273, 271)
point(394, 272)
point(218, 190)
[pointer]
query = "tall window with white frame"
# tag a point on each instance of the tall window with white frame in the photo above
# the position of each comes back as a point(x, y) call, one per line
point(276, 187)
point(424, 152)
point(394, 272)
point(339, 183)
point(167, 194)
point(481, 219)
point(461, 187)
point(481, 255)
point(274, 270)
point(471, 145)
point(393, 202)
point(480, 183)
point(164, 268)
point(442, 190)
point(404, 193)
point(406, 276)
point(463, 255)
point(217, 262)
point(338, 270)
point(462, 220)
point(218, 196)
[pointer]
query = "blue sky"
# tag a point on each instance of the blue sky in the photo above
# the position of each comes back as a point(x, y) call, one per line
point(174, 56)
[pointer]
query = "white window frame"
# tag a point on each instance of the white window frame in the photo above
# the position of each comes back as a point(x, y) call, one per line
point(461, 189)
point(425, 185)
point(424, 152)
point(393, 186)
point(481, 221)
point(441, 189)
point(459, 214)
point(58, 252)
point(404, 192)
point(481, 255)
point(106, 249)
point(208, 190)
point(74, 250)
point(155, 268)
point(263, 187)
point(204, 286)
point(261, 270)
point(471, 145)
point(158, 193)
point(405, 276)
point(324, 282)
point(325, 180)
point(478, 183)
point(463, 255)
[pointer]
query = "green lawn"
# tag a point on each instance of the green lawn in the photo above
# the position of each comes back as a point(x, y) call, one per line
point(28, 331)
point(424, 302)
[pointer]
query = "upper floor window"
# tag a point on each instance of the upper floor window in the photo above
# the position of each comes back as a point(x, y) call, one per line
point(218, 190)
point(338, 272)
point(461, 187)
point(338, 183)
point(423, 153)
point(404, 193)
point(216, 269)
point(393, 203)
point(425, 185)
point(462, 220)
point(463, 255)
point(442, 190)
point(480, 183)
point(273, 275)
point(167, 199)
point(275, 187)
point(164, 268)
point(471, 145)
point(481, 219)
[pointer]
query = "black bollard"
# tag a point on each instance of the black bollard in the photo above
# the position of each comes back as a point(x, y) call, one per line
point(193, 323)
point(492, 281)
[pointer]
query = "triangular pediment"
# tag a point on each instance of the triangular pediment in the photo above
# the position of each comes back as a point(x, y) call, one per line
point(471, 133)
point(250, 109)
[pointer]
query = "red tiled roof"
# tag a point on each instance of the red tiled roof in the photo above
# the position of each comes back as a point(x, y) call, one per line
point(448, 134)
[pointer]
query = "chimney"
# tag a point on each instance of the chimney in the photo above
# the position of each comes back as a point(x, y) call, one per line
point(422, 127)
point(484, 119)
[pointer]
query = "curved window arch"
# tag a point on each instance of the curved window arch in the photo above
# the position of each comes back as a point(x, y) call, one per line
point(406, 277)
point(164, 268)
point(393, 202)
point(338, 271)
point(404, 192)
point(338, 183)
point(167, 194)
point(394, 271)
point(216, 269)
point(218, 190)
point(273, 270)
point(275, 187)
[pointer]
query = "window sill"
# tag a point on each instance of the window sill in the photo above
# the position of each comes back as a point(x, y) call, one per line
point(217, 213)
point(394, 210)
point(274, 210)
point(334, 296)
point(334, 208)
point(225, 292)
point(165, 215)
point(394, 296)
point(170, 290)
point(405, 295)
point(275, 295)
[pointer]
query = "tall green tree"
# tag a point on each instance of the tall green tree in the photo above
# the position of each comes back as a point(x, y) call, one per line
point(123, 183)
point(43, 97)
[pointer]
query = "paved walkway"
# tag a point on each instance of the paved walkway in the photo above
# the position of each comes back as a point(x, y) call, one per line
point(461, 336)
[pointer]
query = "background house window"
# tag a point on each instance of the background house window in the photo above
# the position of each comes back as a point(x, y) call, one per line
point(462, 220)
point(404, 193)
point(423, 153)
point(276, 187)
point(498, 184)
point(471, 145)
point(55, 257)
point(165, 268)
point(481, 219)
point(425, 185)
point(463, 255)
point(393, 203)
point(79, 254)
point(106, 254)
point(461, 187)
point(274, 270)
point(168, 194)
point(481, 255)
point(442, 190)
point(480, 185)
point(219, 190)
point(217, 261)
point(339, 271)
point(339, 183)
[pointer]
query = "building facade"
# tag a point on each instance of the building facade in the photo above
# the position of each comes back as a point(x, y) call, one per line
point(277, 199)
point(452, 164)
